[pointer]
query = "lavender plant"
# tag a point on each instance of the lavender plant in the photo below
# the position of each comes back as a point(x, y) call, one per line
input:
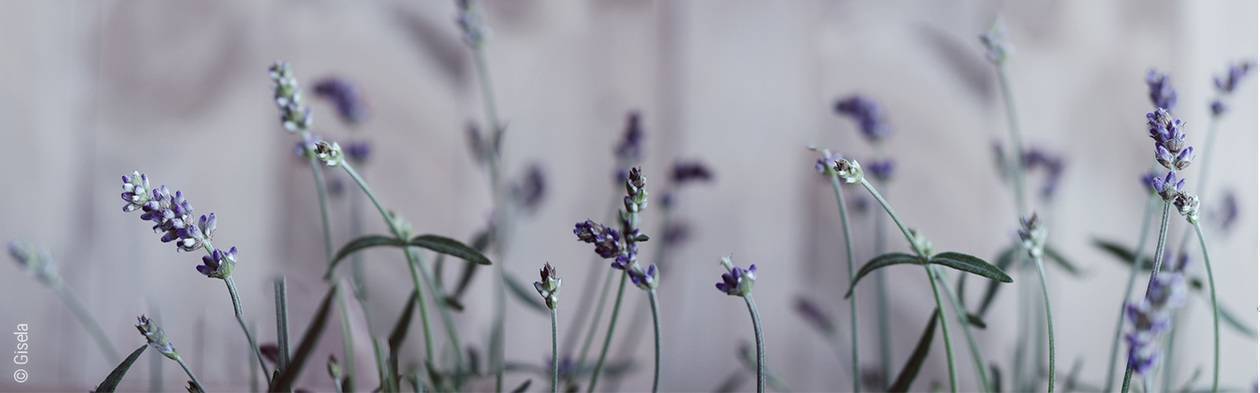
point(547, 287)
point(172, 216)
point(831, 174)
point(737, 281)
point(159, 341)
point(41, 265)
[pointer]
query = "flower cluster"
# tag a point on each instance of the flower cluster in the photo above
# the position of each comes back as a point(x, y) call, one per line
point(629, 150)
point(1160, 90)
point(623, 246)
point(644, 279)
point(156, 337)
point(1151, 316)
point(1226, 84)
point(218, 264)
point(344, 97)
point(1171, 149)
point(294, 115)
point(867, 114)
point(357, 152)
point(684, 173)
point(607, 241)
point(172, 216)
point(1227, 214)
point(548, 285)
point(36, 262)
point(1040, 159)
point(1033, 236)
point(737, 281)
point(813, 314)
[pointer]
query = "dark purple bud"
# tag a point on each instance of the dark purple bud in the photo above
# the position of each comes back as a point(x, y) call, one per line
point(1160, 90)
point(867, 114)
point(630, 149)
point(1218, 108)
point(531, 189)
point(343, 96)
point(881, 170)
point(690, 171)
point(1228, 213)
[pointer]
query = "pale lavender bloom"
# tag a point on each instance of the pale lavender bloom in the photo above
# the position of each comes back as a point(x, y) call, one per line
point(343, 96)
point(690, 171)
point(994, 41)
point(1160, 90)
point(39, 263)
point(867, 114)
point(738, 281)
point(1040, 159)
point(470, 24)
point(1227, 215)
point(1226, 84)
point(358, 152)
point(1150, 317)
point(294, 115)
point(825, 161)
point(1168, 186)
point(218, 264)
point(644, 279)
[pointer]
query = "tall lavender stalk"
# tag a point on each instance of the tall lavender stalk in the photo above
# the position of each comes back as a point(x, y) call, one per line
point(547, 287)
point(831, 174)
point(737, 281)
point(159, 341)
point(41, 265)
point(997, 51)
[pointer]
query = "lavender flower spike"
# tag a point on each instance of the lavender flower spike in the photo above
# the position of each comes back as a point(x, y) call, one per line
point(294, 115)
point(606, 240)
point(548, 285)
point(737, 281)
point(995, 46)
point(218, 264)
point(1225, 85)
point(1033, 236)
point(36, 262)
point(1161, 92)
point(867, 114)
point(156, 337)
point(1152, 316)
point(1168, 186)
point(171, 213)
point(343, 96)
point(329, 153)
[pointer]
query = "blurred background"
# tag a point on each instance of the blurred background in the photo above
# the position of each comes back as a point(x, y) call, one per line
point(94, 90)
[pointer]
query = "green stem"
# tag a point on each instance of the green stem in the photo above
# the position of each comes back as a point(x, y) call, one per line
point(180, 360)
point(761, 344)
point(1045, 296)
point(599, 312)
point(1128, 288)
point(949, 350)
point(282, 323)
point(881, 302)
point(1017, 142)
point(1216, 311)
point(240, 318)
point(960, 311)
point(321, 190)
point(584, 302)
point(1159, 261)
point(347, 342)
point(949, 347)
point(848, 251)
point(89, 323)
point(555, 356)
point(612, 326)
point(656, 330)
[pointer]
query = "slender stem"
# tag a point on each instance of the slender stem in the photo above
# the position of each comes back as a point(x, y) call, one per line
point(89, 323)
point(1045, 296)
point(1128, 289)
point(555, 356)
point(761, 344)
point(612, 326)
point(180, 360)
point(960, 311)
point(321, 190)
point(656, 330)
point(949, 347)
point(905, 231)
point(584, 302)
point(282, 323)
point(1159, 261)
point(881, 302)
point(1017, 143)
point(599, 312)
point(1216, 311)
point(848, 251)
point(347, 341)
point(253, 372)
point(240, 318)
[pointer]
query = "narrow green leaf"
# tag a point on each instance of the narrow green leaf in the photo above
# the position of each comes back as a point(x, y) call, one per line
point(111, 381)
point(356, 245)
point(523, 386)
point(525, 294)
point(997, 377)
point(911, 369)
point(284, 382)
point(399, 333)
point(1004, 261)
point(448, 246)
point(480, 242)
point(1055, 256)
point(975, 320)
point(1123, 253)
point(970, 264)
point(889, 259)
point(1234, 322)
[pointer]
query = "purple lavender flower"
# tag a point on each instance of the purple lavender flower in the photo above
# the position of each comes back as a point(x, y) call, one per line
point(39, 263)
point(172, 216)
point(343, 96)
point(867, 114)
point(881, 170)
point(1150, 317)
point(1040, 159)
point(644, 279)
point(675, 233)
point(690, 171)
point(814, 315)
point(1168, 186)
point(135, 191)
point(294, 115)
point(1161, 90)
point(1226, 84)
point(825, 160)
point(630, 149)
point(626, 259)
point(218, 264)
point(358, 152)
point(606, 240)
point(737, 281)
point(529, 192)
point(1227, 215)
point(1170, 140)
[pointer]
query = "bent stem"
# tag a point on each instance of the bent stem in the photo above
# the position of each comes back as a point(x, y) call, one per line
point(180, 360)
point(848, 251)
point(1159, 261)
point(89, 323)
point(612, 326)
point(1216, 311)
point(1128, 288)
point(1045, 297)
point(761, 345)
point(949, 349)
point(555, 356)
point(240, 318)
point(656, 329)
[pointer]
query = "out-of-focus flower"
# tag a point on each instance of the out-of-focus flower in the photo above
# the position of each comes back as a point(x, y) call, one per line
point(1150, 317)
point(867, 114)
point(737, 281)
point(1227, 214)
point(630, 149)
point(995, 47)
point(294, 115)
point(38, 263)
point(1035, 159)
point(690, 171)
point(881, 170)
point(849, 170)
point(344, 96)
point(814, 315)
point(531, 189)
point(548, 285)
point(675, 233)
point(1226, 84)
point(825, 160)
point(470, 24)
point(1033, 236)
point(606, 240)
point(358, 152)
point(1160, 89)
point(156, 337)
point(329, 153)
